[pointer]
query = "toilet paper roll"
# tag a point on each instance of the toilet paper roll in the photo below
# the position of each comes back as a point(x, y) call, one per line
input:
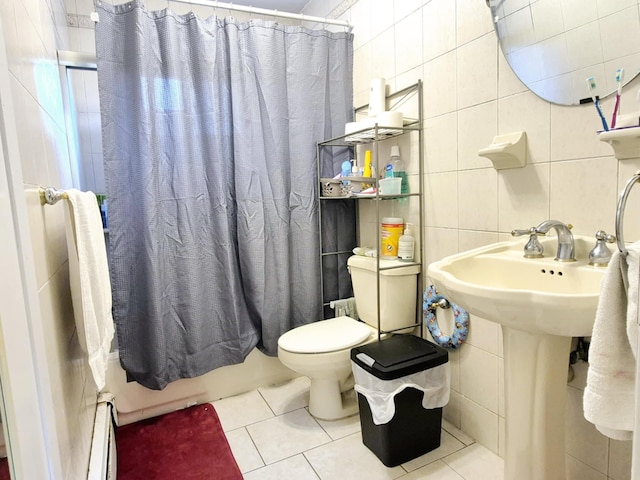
point(377, 96)
point(369, 122)
point(390, 119)
point(352, 127)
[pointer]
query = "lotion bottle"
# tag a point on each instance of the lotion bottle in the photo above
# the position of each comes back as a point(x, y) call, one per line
point(406, 245)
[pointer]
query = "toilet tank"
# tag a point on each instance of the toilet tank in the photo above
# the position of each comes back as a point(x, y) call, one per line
point(398, 289)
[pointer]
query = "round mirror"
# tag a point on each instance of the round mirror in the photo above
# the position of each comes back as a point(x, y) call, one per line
point(553, 46)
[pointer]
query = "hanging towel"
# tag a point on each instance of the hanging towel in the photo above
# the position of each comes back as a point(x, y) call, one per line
point(345, 307)
point(609, 400)
point(89, 278)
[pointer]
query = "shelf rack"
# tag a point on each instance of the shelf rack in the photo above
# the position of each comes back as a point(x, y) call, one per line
point(373, 136)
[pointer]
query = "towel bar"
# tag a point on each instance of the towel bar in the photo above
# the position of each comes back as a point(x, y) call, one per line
point(622, 202)
point(50, 195)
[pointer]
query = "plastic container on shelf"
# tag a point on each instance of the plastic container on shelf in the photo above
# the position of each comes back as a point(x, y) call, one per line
point(390, 186)
point(390, 231)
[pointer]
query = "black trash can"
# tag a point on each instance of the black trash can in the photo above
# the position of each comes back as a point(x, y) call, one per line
point(413, 430)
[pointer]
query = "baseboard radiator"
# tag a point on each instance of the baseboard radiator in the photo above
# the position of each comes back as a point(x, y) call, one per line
point(103, 459)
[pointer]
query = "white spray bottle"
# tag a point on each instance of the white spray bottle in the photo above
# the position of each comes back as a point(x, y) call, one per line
point(406, 245)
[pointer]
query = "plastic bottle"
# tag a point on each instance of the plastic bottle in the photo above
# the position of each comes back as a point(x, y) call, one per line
point(368, 167)
point(399, 169)
point(406, 245)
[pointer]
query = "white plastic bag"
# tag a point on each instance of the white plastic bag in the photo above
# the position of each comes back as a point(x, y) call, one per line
point(434, 382)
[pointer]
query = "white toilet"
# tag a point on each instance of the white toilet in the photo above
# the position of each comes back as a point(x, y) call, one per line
point(321, 350)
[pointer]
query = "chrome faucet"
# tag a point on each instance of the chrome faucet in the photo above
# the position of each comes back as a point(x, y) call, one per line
point(565, 251)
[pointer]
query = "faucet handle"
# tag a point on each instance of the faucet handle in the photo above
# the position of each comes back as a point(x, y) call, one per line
point(533, 248)
point(603, 236)
point(600, 255)
point(528, 231)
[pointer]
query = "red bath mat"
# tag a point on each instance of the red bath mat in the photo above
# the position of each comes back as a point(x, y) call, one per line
point(187, 445)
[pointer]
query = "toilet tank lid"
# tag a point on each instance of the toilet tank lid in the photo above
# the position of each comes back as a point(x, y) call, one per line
point(325, 336)
point(387, 267)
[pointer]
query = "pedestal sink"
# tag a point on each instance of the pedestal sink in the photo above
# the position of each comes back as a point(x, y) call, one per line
point(540, 304)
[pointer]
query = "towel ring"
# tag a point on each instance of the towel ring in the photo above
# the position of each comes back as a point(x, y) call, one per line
point(622, 203)
point(431, 301)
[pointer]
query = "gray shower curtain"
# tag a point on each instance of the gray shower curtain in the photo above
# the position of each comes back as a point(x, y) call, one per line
point(209, 131)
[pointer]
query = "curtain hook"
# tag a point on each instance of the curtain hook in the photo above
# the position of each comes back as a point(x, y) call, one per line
point(275, 15)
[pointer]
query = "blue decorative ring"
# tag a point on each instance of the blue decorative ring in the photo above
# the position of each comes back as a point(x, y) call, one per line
point(461, 317)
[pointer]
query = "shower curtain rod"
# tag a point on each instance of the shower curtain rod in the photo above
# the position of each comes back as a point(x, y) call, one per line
point(267, 12)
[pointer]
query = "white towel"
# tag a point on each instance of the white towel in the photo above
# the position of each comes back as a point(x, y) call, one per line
point(89, 278)
point(609, 398)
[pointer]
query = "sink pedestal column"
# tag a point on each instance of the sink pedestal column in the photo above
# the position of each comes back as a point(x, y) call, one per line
point(535, 378)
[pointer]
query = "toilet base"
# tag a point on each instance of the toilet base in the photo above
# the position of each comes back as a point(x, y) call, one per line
point(327, 402)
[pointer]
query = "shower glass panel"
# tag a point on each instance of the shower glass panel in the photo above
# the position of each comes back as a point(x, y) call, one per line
point(84, 130)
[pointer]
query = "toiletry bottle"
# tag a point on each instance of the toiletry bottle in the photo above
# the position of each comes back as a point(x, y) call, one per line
point(399, 169)
point(388, 171)
point(406, 245)
point(368, 167)
point(346, 168)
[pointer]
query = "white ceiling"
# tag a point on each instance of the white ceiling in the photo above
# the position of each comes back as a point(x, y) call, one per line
point(294, 6)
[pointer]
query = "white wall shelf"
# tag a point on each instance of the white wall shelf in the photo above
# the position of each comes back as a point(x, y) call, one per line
point(624, 141)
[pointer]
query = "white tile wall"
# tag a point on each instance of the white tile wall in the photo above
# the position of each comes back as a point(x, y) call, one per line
point(33, 31)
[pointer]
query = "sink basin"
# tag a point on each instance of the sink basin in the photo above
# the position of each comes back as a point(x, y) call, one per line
point(540, 304)
point(541, 295)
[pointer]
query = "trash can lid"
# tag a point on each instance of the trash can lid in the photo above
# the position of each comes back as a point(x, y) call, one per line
point(398, 356)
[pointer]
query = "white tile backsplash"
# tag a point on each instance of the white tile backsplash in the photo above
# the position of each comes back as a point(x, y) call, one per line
point(477, 126)
point(523, 197)
point(408, 31)
point(441, 198)
point(478, 199)
point(473, 20)
point(383, 49)
point(535, 123)
point(480, 423)
point(477, 75)
point(440, 136)
point(479, 377)
point(438, 28)
point(439, 84)
point(579, 194)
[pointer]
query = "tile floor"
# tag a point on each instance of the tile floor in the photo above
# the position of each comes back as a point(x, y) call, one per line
point(273, 436)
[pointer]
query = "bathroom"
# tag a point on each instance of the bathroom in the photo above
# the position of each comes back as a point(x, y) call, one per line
point(471, 95)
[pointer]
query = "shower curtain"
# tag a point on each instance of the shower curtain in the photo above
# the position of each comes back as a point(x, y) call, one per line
point(209, 129)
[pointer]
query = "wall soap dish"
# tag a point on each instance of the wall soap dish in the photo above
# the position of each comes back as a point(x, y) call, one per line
point(507, 151)
point(624, 141)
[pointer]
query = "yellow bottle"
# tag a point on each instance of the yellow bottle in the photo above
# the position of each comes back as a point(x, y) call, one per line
point(368, 171)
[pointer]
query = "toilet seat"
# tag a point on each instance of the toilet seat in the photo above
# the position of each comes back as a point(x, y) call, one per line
point(325, 336)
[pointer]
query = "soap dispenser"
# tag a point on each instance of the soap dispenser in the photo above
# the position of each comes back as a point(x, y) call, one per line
point(406, 245)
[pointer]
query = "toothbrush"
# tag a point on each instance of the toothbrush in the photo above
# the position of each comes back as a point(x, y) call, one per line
point(591, 83)
point(616, 107)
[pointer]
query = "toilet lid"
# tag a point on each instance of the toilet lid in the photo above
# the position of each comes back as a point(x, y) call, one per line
point(325, 336)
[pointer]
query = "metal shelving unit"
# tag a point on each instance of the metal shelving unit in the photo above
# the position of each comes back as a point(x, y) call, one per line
point(373, 136)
